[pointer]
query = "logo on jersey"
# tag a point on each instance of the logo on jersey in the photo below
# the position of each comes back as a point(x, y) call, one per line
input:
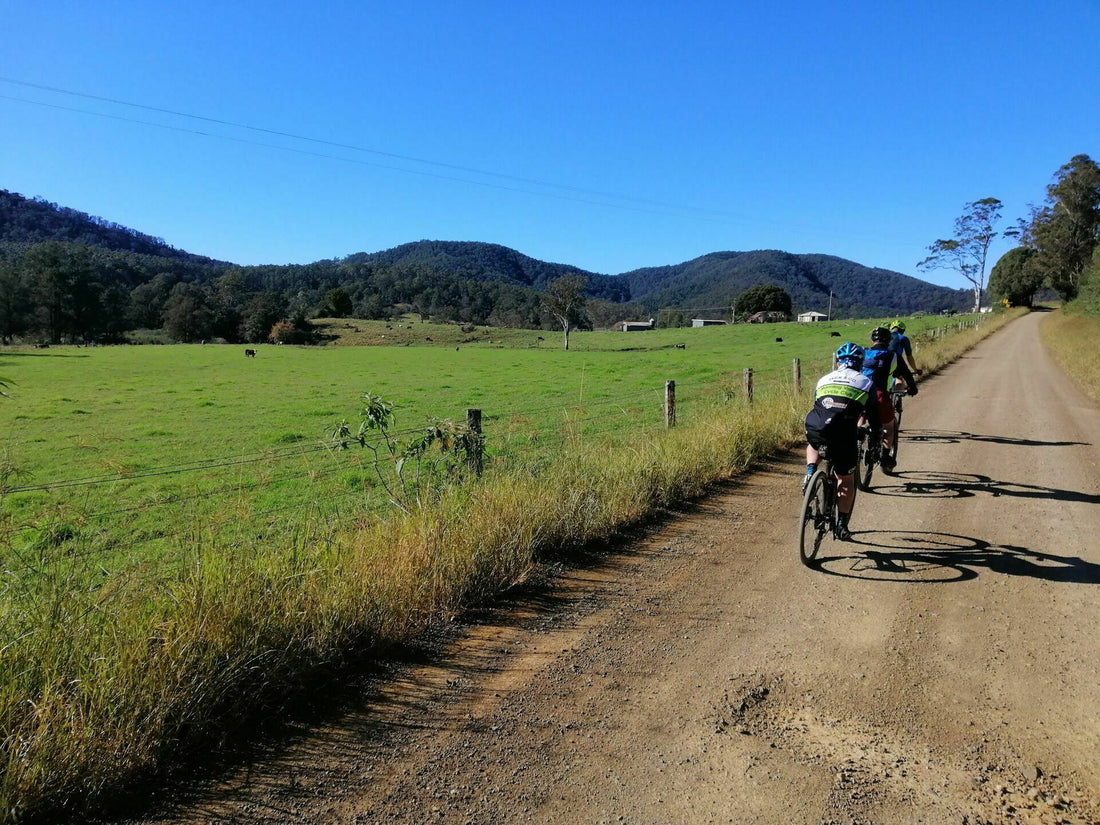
point(830, 403)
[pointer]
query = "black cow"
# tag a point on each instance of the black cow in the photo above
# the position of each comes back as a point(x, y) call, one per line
point(250, 353)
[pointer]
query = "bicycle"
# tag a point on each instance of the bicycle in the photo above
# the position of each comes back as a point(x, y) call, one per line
point(869, 452)
point(896, 396)
point(820, 513)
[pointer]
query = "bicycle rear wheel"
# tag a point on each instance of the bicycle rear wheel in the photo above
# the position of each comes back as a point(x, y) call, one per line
point(814, 523)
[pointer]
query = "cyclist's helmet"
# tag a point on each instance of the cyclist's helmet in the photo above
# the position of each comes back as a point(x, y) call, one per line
point(850, 355)
point(898, 324)
point(880, 335)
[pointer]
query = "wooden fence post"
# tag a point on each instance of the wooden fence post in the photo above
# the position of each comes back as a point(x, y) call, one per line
point(473, 422)
point(748, 384)
point(670, 403)
point(796, 368)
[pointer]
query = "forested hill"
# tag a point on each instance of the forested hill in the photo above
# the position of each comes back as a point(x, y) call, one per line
point(33, 220)
point(716, 279)
point(469, 260)
point(69, 276)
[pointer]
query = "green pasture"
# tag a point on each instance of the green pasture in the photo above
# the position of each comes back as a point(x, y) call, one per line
point(131, 453)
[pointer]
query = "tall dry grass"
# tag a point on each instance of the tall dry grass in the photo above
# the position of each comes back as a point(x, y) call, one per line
point(1074, 339)
point(107, 684)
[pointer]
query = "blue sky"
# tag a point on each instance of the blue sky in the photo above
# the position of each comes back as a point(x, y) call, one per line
point(608, 136)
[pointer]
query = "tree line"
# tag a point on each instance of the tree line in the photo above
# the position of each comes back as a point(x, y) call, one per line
point(1059, 243)
point(59, 291)
point(66, 276)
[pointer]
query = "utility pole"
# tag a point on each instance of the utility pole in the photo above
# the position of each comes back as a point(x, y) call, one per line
point(830, 305)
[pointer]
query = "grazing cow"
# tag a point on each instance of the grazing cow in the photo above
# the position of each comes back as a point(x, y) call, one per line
point(250, 353)
point(835, 334)
point(779, 340)
point(681, 346)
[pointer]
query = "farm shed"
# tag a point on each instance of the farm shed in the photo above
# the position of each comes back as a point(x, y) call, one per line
point(767, 317)
point(809, 317)
point(637, 326)
point(707, 322)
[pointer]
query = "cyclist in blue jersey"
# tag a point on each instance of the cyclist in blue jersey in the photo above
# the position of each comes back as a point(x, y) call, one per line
point(901, 344)
point(881, 363)
point(841, 398)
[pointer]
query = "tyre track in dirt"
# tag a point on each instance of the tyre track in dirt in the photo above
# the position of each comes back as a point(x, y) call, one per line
point(943, 667)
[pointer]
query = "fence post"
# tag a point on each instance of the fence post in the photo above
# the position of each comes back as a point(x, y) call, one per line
point(797, 374)
point(473, 423)
point(748, 384)
point(670, 403)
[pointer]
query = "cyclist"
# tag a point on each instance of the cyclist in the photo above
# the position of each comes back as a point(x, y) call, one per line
point(881, 363)
point(842, 397)
point(901, 344)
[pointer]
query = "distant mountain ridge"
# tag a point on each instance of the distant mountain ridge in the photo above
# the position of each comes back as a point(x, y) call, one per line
point(34, 220)
point(711, 281)
point(478, 261)
point(461, 280)
point(716, 279)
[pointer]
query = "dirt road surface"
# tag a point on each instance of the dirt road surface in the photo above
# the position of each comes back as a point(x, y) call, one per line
point(944, 667)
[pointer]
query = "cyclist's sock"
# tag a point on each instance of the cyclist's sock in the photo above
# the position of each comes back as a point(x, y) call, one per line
point(842, 519)
point(810, 469)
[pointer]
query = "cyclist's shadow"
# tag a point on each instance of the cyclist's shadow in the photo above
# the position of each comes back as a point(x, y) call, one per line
point(942, 484)
point(928, 557)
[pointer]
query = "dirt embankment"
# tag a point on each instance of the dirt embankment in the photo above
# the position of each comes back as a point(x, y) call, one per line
point(943, 667)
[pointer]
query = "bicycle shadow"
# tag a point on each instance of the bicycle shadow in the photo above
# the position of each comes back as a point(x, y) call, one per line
point(916, 557)
point(956, 436)
point(939, 484)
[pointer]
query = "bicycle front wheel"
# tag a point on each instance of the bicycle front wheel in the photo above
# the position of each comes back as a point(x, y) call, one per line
point(814, 523)
point(897, 432)
point(868, 457)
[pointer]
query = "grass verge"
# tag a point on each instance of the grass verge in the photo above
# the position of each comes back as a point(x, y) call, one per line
point(1074, 339)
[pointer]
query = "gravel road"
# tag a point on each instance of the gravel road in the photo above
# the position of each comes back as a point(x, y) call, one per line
point(941, 668)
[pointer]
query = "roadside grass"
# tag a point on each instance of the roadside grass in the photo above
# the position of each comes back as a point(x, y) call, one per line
point(116, 667)
point(1074, 339)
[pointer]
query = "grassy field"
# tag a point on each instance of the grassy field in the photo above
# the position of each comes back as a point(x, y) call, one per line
point(181, 557)
point(123, 447)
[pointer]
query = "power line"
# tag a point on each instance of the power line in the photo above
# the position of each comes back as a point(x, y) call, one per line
point(339, 145)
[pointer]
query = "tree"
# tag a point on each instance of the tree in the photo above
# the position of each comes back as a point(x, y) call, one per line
point(1089, 296)
point(147, 302)
point(62, 287)
point(261, 313)
point(1015, 278)
point(186, 314)
point(1065, 231)
point(14, 299)
point(338, 303)
point(564, 300)
point(967, 252)
point(762, 298)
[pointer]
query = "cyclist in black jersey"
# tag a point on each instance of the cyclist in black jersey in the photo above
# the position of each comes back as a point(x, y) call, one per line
point(841, 398)
point(900, 343)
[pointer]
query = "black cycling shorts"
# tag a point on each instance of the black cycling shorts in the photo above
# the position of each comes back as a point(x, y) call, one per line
point(841, 442)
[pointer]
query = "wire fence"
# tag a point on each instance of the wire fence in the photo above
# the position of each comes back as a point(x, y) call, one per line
point(264, 493)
